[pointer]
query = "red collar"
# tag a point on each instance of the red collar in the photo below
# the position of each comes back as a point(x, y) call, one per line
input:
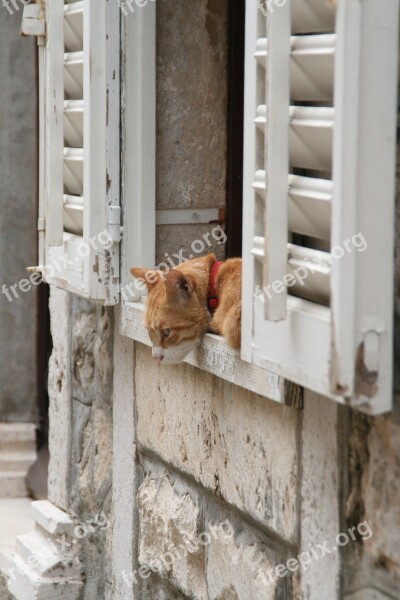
point(212, 299)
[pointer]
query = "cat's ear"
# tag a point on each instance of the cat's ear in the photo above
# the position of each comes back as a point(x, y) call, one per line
point(178, 286)
point(148, 276)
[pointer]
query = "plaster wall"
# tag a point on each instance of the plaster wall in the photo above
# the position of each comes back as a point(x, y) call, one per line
point(18, 198)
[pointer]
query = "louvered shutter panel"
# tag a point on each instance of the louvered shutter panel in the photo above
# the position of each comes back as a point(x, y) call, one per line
point(319, 172)
point(80, 140)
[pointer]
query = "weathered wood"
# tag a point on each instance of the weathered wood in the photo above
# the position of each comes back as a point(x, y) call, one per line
point(213, 356)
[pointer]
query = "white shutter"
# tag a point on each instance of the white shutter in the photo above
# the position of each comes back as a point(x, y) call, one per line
point(319, 168)
point(80, 210)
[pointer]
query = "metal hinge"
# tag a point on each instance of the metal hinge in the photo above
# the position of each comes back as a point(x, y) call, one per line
point(114, 223)
point(33, 20)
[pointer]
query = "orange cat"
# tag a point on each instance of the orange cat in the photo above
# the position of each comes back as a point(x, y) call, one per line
point(197, 296)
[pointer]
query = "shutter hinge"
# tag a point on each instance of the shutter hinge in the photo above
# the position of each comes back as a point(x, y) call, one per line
point(114, 223)
point(33, 20)
point(40, 225)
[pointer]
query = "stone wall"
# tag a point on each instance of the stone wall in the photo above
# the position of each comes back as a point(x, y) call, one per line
point(80, 441)
point(241, 477)
point(192, 113)
point(259, 483)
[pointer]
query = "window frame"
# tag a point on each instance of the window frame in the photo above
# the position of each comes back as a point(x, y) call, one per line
point(139, 213)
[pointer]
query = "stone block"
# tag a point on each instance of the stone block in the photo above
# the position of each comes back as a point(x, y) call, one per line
point(168, 530)
point(202, 550)
point(239, 445)
point(239, 570)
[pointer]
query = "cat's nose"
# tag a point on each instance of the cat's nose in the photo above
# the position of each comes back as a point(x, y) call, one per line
point(157, 353)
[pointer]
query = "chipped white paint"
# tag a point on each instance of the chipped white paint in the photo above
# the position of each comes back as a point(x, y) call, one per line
point(220, 361)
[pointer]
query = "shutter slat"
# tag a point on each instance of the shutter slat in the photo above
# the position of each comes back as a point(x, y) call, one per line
point(316, 285)
point(310, 137)
point(311, 270)
point(73, 123)
point(311, 66)
point(73, 171)
point(310, 203)
point(73, 214)
point(312, 16)
point(73, 75)
point(310, 206)
point(73, 27)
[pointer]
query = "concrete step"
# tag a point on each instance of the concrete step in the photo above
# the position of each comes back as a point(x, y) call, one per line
point(12, 484)
point(47, 557)
point(17, 436)
point(16, 461)
point(45, 563)
point(27, 584)
point(53, 520)
point(17, 453)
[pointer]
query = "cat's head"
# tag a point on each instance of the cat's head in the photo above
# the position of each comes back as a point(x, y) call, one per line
point(176, 315)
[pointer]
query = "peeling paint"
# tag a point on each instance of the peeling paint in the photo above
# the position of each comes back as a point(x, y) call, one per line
point(221, 360)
